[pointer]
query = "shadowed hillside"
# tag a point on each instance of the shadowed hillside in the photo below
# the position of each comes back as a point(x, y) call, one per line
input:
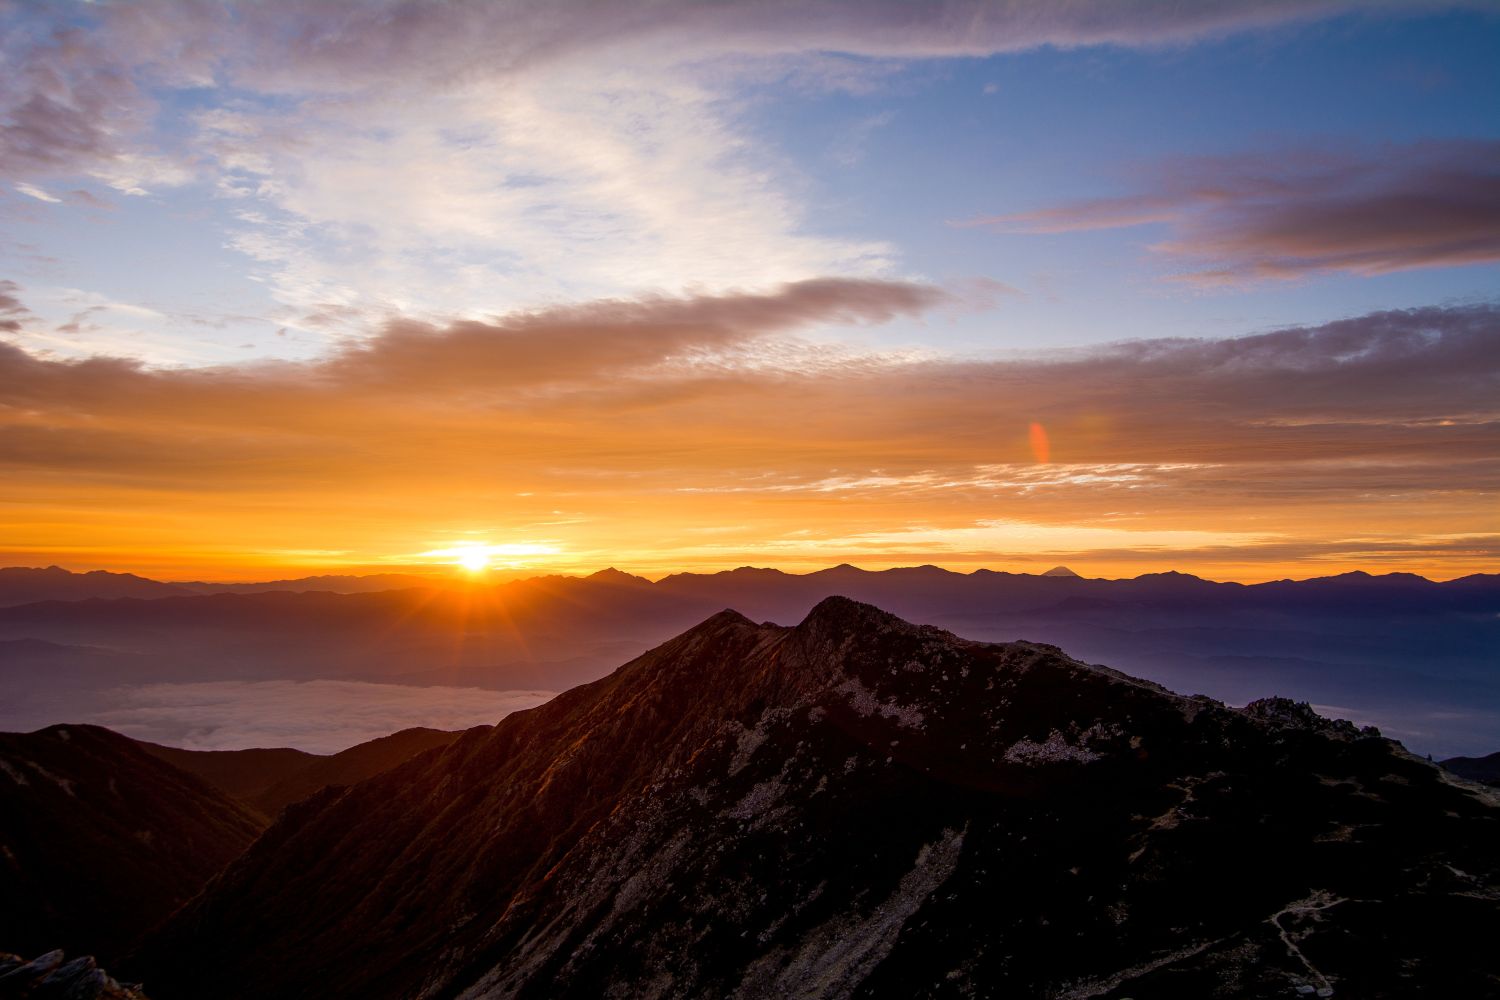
point(102, 839)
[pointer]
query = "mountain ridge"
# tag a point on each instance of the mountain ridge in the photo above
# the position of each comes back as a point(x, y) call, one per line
point(736, 813)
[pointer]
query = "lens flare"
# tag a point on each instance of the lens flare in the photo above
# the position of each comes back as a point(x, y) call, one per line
point(1041, 450)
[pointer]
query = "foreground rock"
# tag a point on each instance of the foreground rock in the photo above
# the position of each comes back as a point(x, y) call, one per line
point(861, 807)
point(53, 977)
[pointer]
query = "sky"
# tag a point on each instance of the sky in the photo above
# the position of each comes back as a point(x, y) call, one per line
point(291, 287)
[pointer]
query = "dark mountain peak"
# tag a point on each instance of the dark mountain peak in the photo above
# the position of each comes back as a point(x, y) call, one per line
point(1062, 571)
point(846, 614)
point(717, 622)
point(861, 806)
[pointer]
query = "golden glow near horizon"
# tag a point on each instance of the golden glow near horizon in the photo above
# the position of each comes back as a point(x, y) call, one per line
point(474, 561)
point(475, 558)
point(596, 437)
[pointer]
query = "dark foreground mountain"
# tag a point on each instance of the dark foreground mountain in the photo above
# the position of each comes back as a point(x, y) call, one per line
point(861, 807)
point(269, 780)
point(1482, 769)
point(99, 840)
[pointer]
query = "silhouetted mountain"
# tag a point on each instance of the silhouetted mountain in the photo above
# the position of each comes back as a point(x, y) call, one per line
point(100, 839)
point(862, 807)
point(1412, 655)
point(272, 779)
point(52, 976)
point(1060, 571)
point(1482, 769)
point(24, 585)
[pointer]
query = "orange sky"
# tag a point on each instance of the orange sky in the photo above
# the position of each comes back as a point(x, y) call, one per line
point(704, 433)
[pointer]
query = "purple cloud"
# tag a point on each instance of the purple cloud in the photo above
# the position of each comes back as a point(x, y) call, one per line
point(12, 312)
point(1255, 217)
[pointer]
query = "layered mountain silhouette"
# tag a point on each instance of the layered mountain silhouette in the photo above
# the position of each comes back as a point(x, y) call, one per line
point(270, 780)
point(25, 585)
point(102, 836)
point(858, 806)
point(1412, 655)
point(101, 839)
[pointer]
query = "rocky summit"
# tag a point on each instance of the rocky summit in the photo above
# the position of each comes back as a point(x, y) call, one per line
point(859, 807)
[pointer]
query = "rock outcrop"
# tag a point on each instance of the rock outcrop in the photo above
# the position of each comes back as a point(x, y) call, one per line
point(52, 976)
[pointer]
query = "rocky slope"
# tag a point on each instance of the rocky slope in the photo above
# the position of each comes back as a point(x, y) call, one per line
point(860, 807)
point(52, 976)
point(100, 840)
point(269, 780)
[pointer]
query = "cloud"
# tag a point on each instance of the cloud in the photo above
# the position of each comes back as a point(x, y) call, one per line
point(395, 158)
point(322, 716)
point(12, 312)
point(1295, 213)
point(639, 428)
point(32, 191)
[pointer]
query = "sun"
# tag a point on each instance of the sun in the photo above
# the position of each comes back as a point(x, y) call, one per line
point(474, 560)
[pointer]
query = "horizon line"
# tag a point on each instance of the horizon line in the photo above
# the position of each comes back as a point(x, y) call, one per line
point(447, 576)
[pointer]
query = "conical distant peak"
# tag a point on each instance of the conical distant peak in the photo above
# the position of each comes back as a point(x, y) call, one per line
point(612, 575)
point(1062, 571)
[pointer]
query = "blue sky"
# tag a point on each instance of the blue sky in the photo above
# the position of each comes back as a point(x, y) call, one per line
point(861, 162)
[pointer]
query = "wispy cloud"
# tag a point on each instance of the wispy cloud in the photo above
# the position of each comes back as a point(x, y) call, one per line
point(12, 312)
point(1294, 213)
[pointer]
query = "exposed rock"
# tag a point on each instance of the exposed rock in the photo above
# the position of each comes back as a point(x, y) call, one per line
point(48, 977)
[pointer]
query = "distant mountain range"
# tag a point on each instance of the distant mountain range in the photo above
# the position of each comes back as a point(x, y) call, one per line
point(1414, 656)
point(858, 806)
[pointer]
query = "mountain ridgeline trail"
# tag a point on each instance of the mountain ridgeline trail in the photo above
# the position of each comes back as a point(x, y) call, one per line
point(860, 807)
